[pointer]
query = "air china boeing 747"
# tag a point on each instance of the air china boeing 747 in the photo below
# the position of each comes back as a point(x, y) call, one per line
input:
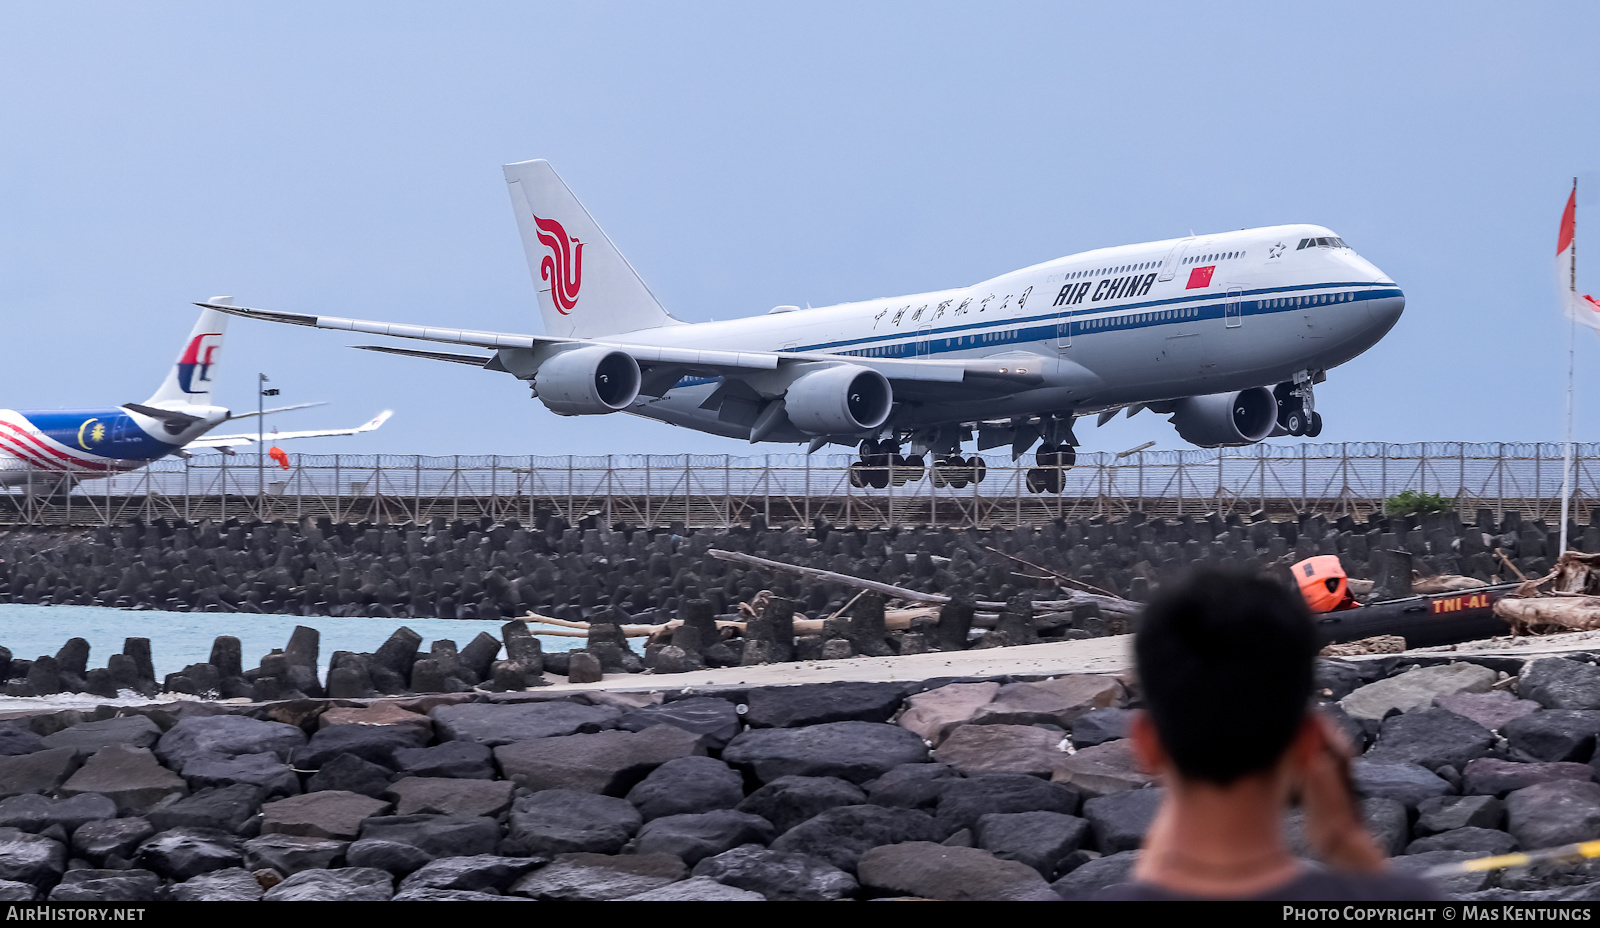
point(1226, 333)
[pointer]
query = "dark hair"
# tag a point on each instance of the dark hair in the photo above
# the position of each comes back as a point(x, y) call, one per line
point(1225, 663)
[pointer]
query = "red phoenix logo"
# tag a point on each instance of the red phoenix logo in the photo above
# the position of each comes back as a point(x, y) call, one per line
point(563, 267)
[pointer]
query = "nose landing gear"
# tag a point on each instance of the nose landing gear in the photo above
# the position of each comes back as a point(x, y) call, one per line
point(1296, 409)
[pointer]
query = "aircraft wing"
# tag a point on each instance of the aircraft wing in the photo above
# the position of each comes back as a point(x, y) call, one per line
point(229, 441)
point(1003, 373)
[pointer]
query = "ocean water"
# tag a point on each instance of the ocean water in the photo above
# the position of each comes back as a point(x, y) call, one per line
point(178, 639)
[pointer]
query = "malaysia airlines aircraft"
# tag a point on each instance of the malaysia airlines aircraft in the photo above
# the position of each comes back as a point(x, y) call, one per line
point(85, 443)
point(1227, 333)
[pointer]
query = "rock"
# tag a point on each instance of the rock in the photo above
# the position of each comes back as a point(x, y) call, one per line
point(14, 891)
point(15, 740)
point(34, 813)
point(794, 706)
point(429, 894)
point(778, 876)
point(1410, 784)
point(265, 771)
point(1559, 683)
point(231, 885)
point(586, 877)
point(39, 772)
point(1101, 770)
point(1431, 738)
point(1482, 842)
point(841, 835)
point(687, 785)
point(450, 796)
point(351, 884)
point(933, 871)
point(467, 760)
point(1119, 821)
point(1492, 710)
point(131, 777)
point(1553, 735)
point(289, 854)
point(31, 859)
point(994, 748)
point(1416, 689)
point(935, 714)
point(609, 762)
point(477, 873)
point(1098, 726)
point(1084, 881)
point(1453, 884)
point(1040, 840)
point(716, 720)
point(562, 821)
point(223, 736)
point(1058, 702)
point(964, 801)
point(381, 714)
point(119, 837)
point(1446, 813)
point(328, 814)
point(911, 786)
point(81, 886)
point(88, 737)
point(375, 744)
point(696, 889)
point(403, 843)
point(697, 836)
point(1554, 813)
point(788, 801)
point(854, 751)
point(493, 725)
point(182, 853)
point(222, 808)
point(349, 773)
point(1490, 776)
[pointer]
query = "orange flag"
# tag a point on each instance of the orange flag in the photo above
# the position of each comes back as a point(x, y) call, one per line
point(281, 456)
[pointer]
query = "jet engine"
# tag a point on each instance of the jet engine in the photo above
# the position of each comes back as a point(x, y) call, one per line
point(1226, 419)
point(841, 399)
point(588, 381)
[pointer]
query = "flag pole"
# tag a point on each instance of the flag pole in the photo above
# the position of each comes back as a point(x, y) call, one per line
point(1572, 343)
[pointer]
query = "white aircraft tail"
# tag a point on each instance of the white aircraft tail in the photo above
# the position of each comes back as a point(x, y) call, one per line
point(586, 287)
point(189, 381)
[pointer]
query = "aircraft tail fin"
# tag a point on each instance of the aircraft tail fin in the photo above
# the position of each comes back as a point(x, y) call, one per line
point(586, 287)
point(189, 381)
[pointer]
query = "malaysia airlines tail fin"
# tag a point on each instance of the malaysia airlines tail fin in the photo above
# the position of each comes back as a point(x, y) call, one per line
point(586, 287)
point(189, 381)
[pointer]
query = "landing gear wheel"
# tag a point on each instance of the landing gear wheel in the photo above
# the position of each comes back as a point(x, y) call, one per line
point(959, 474)
point(1315, 428)
point(1295, 422)
point(937, 472)
point(877, 470)
point(914, 468)
point(858, 477)
point(1037, 479)
point(978, 468)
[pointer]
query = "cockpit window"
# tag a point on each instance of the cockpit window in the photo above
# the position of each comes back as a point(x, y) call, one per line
point(1322, 242)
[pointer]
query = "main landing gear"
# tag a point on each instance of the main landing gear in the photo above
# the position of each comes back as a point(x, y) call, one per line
point(1296, 409)
point(1050, 476)
point(882, 463)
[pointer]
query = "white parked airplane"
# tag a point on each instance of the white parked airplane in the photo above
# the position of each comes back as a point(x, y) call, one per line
point(1227, 333)
point(39, 445)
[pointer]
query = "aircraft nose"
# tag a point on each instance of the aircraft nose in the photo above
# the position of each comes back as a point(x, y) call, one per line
point(1386, 310)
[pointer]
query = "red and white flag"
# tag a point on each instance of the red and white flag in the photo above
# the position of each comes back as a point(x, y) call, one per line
point(1584, 309)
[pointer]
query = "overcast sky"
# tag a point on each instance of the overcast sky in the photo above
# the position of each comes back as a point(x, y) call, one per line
point(345, 159)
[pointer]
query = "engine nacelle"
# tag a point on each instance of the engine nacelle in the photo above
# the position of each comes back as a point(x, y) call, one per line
point(1226, 419)
point(842, 399)
point(588, 381)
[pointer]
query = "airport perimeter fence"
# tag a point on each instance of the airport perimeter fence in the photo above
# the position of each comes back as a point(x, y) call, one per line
point(716, 490)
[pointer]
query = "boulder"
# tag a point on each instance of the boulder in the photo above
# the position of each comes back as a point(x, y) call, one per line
point(687, 785)
point(450, 796)
point(1489, 776)
point(467, 760)
point(1431, 738)
point(814, 704)
point(289, 854)
point(99, 841)
point(129, 776)
point(1058, 702)
point(995, 748)
point(697, 836)
point(911, 786)
point(265, 771)
point(1553, 735)
point(696, 889)
point(964, 801)
point(234, 884)
point(963, 874)
point(88, 737)
point(936, 713)
point(328, 814)
point(562, 821)
point(485, 873)
point(182, 853)
point(1102, 769)
point(841, 835)
point(788, 801)
point(854, 751)
point(1446, 813)
point(584, 877)
point(1554, 813)
point(1416, 689)
point(1119, 821)
point(106, 886)
point(222, 736)
point(1042, 840)
point(1410, 784)
point(403, 843)
point(1482, 842)
point(779, 876)
point(1492, 710)
point(40, 772)
point(715, 720)
point(31, 859)
point(608, 762)
point(351, 884)
point(494, 724)
point(1560, 683)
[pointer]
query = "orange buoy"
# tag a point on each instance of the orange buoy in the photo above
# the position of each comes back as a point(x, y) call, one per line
point(1323, 584)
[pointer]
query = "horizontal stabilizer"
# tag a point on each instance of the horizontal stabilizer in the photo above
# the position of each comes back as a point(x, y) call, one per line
point(178, 420)
point(268, 412)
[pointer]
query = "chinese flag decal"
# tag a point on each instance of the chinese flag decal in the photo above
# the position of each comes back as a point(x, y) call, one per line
point(1200, 277)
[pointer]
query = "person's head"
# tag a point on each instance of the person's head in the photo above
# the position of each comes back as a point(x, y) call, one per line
point(1225, 661)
